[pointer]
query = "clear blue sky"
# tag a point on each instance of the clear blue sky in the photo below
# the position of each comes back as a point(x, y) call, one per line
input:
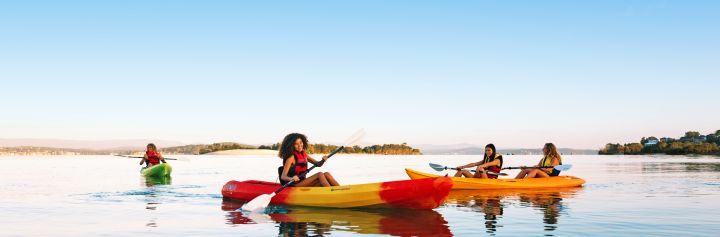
point(515, 73)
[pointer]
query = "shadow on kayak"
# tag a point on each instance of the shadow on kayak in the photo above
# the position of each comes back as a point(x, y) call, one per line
point(308, 221)
point(492, 203)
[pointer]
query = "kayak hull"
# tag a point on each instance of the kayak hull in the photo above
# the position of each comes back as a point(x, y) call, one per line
point(474, 183)
point(159, 170)
point(415, 194)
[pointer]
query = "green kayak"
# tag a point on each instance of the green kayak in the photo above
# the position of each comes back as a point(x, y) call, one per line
point(160, 170)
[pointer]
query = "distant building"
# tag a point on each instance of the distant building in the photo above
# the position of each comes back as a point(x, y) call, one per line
point(651, 143)
point(701, 138)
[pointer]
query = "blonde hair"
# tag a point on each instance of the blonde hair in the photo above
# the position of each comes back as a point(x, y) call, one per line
point(551, 151)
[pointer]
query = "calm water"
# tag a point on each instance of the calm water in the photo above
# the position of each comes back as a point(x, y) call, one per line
point(103, 195)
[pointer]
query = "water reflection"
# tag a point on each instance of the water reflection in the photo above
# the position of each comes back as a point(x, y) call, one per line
point(152, 197)
point(305, 221)
point(492, 203)
point(154, 181)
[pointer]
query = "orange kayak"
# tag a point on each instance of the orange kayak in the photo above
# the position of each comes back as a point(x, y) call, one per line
point(426, 193)
point(473, 183)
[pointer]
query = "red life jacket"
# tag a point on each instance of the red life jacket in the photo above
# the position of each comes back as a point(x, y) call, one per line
point(495, 169)
point(301, 162)
point(153, 157)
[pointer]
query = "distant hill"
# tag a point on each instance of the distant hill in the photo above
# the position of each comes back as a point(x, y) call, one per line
point(121, 144)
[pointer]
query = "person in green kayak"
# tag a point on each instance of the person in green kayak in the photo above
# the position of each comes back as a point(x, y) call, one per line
point(551, 157)
point(295, 162)
point(492, 161)
point(152, 156)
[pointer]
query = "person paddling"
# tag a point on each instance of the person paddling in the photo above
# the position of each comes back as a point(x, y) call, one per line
point(152, 156)
point(551, 157)
point(295, 161)
point(492, 161)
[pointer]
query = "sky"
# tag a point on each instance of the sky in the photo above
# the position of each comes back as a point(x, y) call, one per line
point(514, 73)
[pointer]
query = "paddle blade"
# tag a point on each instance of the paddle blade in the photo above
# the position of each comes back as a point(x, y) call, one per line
point(258, 204)
point(437, 167)
point(355, 138)
point(563, 167)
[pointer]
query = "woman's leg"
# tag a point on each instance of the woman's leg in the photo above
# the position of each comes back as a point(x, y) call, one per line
point(522, 174)
point(323, 181)
point(316, 180)
point(458, 173)
point(480, 175)
point(541, 174)
point(531, 174)
point(309, 181)
point(461, 173)
point(331, 179)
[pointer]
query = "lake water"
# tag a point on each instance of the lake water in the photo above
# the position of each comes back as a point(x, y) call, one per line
point(106, 196)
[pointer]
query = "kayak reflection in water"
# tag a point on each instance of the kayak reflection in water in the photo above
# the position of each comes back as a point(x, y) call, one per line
point(152, 156)
point(492, 203)
point(295, 162)
point(550, 204)
point(492, 161)
point(551, 157)
point(308, 221)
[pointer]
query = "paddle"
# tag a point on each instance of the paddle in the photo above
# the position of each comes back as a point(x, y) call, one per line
point(557, 167)
point(140, 157)
point(438, 167)
point(260, 202)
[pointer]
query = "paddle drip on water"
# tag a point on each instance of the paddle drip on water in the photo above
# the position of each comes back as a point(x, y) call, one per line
point(259, 203)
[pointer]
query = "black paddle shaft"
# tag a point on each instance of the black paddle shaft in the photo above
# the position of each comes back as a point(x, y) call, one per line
point(140, 157)
point(320, 163)
point(531, 167)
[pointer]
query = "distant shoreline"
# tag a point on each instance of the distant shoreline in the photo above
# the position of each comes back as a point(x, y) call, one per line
point(243, 152)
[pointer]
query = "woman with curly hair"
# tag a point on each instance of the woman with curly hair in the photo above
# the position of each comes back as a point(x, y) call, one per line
point(295, 162)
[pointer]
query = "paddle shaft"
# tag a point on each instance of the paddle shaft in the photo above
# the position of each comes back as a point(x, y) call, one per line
point(140, 157)
point(526, 167)
point(488, 172)
point(320, 163)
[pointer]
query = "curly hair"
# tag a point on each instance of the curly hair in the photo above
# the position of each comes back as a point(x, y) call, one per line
point(287, 147)
point(150, 145)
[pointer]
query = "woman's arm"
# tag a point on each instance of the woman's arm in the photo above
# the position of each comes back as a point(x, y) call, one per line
point(161, 158)
point(468, 165)
point(143, 159)
point(495, 162)
point(315, 162)
point(286, 168)
point(312, 160)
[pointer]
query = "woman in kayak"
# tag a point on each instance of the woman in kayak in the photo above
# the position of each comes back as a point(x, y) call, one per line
point(492, 161)
point(295, 163)
point(152, 156)
point(551, 157)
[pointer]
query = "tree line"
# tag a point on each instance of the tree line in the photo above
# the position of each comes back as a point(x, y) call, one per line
point(692, 143)
point(199, 149)
point(385, 149)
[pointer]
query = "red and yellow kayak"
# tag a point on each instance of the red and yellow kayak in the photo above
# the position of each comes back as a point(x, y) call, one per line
point(473, 183)
point(416, 194)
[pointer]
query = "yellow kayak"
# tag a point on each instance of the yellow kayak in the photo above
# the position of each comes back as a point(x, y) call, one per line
point(473, 183)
